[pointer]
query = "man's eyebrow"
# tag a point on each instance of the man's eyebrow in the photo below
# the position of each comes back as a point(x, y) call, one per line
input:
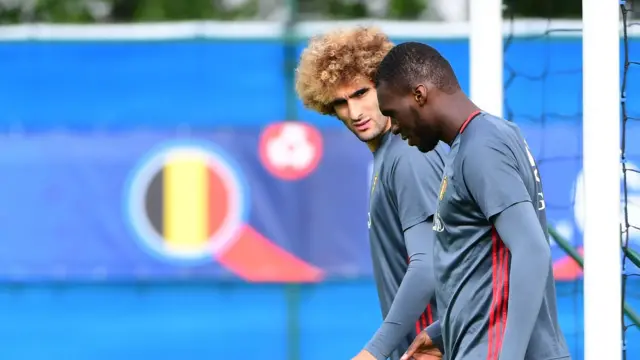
point(338, 101)
point(354, 94)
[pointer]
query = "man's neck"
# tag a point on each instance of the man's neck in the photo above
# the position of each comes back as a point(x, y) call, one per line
point(374, 144)
point(459, 108)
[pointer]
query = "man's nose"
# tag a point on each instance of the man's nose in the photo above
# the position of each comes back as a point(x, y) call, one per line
point(355, 113)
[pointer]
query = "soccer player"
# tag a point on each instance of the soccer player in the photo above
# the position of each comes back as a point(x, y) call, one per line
point(335, 77)
point(492, 259)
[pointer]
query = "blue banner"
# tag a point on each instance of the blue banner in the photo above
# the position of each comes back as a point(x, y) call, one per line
point(165, 160)
point(284, 204)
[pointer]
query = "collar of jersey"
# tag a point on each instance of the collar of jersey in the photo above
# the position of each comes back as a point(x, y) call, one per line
point(466, 122)
point(472, 116)
point(385, 139)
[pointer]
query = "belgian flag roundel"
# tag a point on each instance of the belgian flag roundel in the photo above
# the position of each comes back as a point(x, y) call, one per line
point(188, 205)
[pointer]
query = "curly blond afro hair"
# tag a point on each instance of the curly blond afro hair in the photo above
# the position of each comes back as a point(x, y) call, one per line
point(335, 59)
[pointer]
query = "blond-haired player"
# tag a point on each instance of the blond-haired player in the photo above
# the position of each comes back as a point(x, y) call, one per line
point(336, 77)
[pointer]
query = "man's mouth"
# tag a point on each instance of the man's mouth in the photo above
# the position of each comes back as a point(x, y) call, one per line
point(361, 125)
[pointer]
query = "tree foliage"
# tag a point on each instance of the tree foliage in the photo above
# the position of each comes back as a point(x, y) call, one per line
point(89, 11)
point(565, 9)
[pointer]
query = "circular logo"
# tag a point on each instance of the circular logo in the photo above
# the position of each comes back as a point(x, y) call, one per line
point(290, 150)
point(186, 202)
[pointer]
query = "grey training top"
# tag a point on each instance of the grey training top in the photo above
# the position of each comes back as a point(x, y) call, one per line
point(496, 284)
point(402, 203)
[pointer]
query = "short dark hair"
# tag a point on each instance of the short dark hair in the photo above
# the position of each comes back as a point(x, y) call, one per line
point(412, 62)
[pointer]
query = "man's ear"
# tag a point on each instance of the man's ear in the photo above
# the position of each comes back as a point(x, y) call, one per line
point(420, 94)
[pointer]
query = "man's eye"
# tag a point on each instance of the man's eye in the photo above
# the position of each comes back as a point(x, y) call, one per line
point(360, 93)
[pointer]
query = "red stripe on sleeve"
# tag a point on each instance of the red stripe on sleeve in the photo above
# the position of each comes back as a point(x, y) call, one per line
point(494, 282)
point(500, 295)
point(505, 292)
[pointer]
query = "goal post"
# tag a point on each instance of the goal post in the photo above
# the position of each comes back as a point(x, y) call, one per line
point(485, 53)
point(601, 167)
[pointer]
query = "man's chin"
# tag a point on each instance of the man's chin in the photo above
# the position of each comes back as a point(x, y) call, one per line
point(425, 148)
point(368, 135)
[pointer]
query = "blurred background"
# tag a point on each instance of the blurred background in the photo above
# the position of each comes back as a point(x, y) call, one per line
point(113, 244)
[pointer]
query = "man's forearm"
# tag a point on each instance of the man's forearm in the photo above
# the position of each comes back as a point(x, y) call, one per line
point(520, 230)
point(413, 296)
point(435, 334)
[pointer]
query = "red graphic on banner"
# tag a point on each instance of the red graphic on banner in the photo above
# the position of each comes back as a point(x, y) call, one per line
point(254, 258)
point(567, 269)
point(290, 150)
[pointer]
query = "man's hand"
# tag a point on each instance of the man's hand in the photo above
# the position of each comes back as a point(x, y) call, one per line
point(364, 355)
point(422, 348)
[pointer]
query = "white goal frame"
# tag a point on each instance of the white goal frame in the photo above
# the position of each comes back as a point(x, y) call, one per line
point(601, 167)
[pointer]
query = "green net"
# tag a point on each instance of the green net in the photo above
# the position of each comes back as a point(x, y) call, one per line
point(631, 259)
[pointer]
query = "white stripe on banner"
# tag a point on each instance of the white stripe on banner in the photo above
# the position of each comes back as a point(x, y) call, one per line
point(406, 30)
